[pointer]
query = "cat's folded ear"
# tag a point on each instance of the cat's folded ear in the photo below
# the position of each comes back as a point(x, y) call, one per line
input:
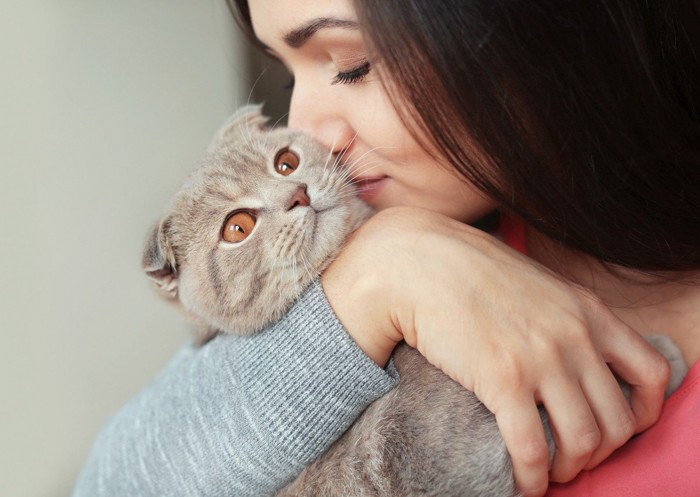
point(158, 261)
point(240, 124)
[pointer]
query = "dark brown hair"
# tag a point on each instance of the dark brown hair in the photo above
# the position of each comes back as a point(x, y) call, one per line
point(583, 118)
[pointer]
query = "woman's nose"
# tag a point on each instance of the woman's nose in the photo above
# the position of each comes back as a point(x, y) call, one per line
point(321, 119)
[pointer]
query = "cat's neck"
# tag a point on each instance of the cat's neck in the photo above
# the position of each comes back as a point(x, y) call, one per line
point(649, 303)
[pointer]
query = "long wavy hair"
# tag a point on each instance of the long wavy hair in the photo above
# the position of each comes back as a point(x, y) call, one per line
point(582, 118)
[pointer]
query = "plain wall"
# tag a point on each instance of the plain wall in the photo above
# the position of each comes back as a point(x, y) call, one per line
point(104, 107)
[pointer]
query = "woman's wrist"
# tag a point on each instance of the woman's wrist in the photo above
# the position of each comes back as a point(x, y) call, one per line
point(359, 286)
point(362, 308)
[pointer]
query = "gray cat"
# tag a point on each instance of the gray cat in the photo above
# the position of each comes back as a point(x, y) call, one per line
point(256, 222)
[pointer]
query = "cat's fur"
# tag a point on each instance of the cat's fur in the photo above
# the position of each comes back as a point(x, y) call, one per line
point(428, 436)
point(242, 288)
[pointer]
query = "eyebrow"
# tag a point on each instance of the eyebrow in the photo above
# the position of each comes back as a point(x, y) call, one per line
point(297, 37)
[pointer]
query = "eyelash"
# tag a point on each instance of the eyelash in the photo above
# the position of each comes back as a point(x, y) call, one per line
point(350, 77)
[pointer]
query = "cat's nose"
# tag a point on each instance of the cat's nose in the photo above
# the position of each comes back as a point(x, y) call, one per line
point(299, 198)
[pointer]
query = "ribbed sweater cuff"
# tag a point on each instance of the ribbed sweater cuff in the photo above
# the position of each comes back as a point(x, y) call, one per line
point(316, 382)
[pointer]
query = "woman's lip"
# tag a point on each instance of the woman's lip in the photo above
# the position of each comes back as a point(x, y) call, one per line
point(368, 188)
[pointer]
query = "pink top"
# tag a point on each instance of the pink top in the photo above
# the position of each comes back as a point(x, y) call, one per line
point(512, 232)
point(663, 461)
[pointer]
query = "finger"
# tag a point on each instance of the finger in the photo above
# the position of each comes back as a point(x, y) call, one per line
point(641, 366)
point(612, 412)
point(525, 440)
point(647, 385)
point(574, 428)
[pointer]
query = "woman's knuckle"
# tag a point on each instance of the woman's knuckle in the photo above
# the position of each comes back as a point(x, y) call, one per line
point(510, 374)
point(578, 333)
point(627, 426)
point(533, 453)
point(659, 371)
point(587, 441)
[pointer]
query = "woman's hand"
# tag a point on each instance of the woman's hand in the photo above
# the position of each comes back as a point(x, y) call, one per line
point(506, 328)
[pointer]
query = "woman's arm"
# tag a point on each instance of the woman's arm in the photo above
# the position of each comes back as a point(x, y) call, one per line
point(241, 415)
point(504, 327)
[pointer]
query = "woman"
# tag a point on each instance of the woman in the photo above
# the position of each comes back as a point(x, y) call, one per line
point(581, 121)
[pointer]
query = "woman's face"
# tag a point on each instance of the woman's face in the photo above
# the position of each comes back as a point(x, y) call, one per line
point(338, 98)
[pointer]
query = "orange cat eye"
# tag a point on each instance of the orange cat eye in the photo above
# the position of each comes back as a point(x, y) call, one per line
point(286, 162)
point(238, 226)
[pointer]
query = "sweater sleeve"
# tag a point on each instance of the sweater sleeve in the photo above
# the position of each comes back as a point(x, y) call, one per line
point(240, 416)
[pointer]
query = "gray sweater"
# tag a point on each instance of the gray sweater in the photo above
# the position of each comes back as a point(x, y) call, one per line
point(240, 416)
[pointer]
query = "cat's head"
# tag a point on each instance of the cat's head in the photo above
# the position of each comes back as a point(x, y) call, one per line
point(257, 220)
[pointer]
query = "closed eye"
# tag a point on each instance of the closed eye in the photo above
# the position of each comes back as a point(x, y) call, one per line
point(352, 76)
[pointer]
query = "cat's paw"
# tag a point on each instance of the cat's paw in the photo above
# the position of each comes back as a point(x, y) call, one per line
point(674, 356)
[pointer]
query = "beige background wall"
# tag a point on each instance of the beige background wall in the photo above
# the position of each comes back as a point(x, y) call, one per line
point(104, 106)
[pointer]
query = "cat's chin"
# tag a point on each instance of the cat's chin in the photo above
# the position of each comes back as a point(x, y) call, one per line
point(331, 228)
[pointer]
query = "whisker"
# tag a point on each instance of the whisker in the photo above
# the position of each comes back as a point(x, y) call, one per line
point(374, 149)
point(346, 147)
point(283, 116)
point(330, 153)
